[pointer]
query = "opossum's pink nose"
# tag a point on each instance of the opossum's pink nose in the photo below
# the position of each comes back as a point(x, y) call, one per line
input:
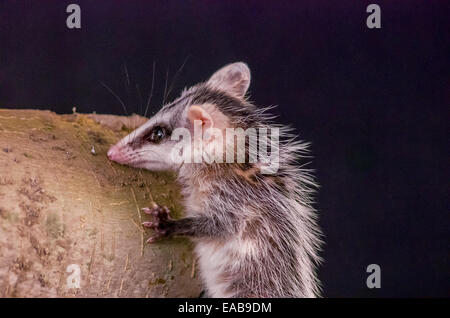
point(115, 154)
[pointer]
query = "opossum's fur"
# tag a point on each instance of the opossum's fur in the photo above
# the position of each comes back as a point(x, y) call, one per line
point(257, 234)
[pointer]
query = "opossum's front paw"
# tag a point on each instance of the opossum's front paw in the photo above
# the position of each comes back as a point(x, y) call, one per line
point(162, 222)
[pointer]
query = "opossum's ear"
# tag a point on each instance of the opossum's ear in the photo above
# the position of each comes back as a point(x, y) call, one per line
point(232, 78)
point(198, 115)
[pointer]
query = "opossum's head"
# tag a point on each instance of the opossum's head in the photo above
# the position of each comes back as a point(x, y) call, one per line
point(218, 103)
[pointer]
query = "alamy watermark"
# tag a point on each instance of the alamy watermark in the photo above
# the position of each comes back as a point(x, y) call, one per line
point(253, 145)
point(74, 279)
point(73, 20)
point(374, 279)
point(373, 21)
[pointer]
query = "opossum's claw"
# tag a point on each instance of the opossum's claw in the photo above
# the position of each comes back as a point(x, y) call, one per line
point(159, 234)
point(147, 210)
point(148, 224)
point(162, 223)
point(158, 211)
point(155, 238)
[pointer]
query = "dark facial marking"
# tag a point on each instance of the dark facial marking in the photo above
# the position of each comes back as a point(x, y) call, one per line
point(156, 134)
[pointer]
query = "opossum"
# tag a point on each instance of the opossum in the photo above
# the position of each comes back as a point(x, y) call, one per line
point(256, 234)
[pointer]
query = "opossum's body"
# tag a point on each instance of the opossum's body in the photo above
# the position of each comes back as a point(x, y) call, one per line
point(266, 242)
point(256, 234)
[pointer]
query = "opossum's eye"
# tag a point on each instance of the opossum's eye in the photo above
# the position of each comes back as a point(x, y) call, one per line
point(157, 134)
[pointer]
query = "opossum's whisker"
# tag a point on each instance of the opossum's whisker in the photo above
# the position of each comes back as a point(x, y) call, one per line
point(147, 151)
point(165, 87)
point(127, 83)
point(176, 75)
point(139, 97)
point(117, 97)
point(126, 73)
point(151, 90)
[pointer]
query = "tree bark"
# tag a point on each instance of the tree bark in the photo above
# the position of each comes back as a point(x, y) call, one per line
point(70, 218)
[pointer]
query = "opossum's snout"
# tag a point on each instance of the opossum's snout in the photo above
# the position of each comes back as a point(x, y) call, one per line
point(115, 153)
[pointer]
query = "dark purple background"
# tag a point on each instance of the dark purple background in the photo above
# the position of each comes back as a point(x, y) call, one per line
point(374, 103)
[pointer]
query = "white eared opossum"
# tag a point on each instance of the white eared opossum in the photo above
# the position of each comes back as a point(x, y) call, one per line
point(256, 234)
